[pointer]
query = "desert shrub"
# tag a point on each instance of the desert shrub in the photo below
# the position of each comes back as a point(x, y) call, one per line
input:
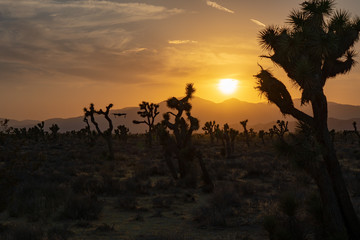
point(23, 232)
point(162, 202)
point(36, 200)
point(6, 186)
point(257, 167)
point(285, 224)
point(175, 235)
point(289, 204)
point(127, 202)
point(105, 228)
point(82, 207)
point(163, 184)
point(134, 185)
point(59, 233)
point(85, 184)
point(206, 216)
point(222, 205)
point(111, 185)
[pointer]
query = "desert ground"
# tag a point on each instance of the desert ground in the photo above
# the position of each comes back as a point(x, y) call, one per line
point(67, 188)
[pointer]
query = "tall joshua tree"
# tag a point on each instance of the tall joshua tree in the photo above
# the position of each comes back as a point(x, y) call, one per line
point(107, 134)
point(182, 129)
point(148, 111)
point(317, 45)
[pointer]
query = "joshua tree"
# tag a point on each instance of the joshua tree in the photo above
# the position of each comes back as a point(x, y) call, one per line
point(246, 132)
point(40, 126)
point(122, 132)
point(317, 45)
point(54, 130)
point(228, 136)
point(4, 125)
point(356, 131)
point(225, 139)
point(209, 128)
point(261, 136)
point(233, 133)
point(3, 129)
point(280, 128)
point(107, 134)
point(149, 111)
point(182, 129)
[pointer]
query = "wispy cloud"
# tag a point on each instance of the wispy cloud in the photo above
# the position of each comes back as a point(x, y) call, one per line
point(218, 6)
point(181, 41)
point(258, 22)
point(133, 50)
point(50, 37)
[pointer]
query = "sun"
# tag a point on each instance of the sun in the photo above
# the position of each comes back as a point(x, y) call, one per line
point(227, 85)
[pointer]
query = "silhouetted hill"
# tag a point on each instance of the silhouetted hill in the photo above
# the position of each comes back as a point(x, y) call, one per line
point(232, 111)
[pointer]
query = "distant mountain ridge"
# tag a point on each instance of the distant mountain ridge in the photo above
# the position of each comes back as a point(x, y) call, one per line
point(231, 111)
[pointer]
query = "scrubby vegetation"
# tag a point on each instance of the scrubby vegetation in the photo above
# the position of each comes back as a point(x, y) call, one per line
point(68, 189)
point(185, 185)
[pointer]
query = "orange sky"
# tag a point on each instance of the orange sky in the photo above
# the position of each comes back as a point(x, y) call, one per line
point(58, 56)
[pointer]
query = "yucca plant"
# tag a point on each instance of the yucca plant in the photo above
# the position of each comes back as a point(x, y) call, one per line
point(315, 46)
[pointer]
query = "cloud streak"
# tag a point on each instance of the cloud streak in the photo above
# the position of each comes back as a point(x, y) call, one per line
point(258, 22)
point(176, 42)
point(218, 6)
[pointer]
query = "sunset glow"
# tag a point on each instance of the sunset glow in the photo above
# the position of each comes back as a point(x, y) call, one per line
point(227, 85)
point(58, 56)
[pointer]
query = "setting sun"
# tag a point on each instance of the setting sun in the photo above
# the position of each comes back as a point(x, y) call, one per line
point(228, 86)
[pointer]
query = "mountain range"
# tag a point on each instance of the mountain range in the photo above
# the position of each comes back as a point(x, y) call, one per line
point(232, 111)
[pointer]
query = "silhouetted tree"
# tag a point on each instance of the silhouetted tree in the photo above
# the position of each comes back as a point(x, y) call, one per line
point(280, 128)
point(4, 125)
point(356, 131)
point(149, 111)
point(315, 47)
point(182, 129)
point(246, 132)
point(54, 130)
point(122, 132)
point(209, 128)
point(107, 134)
point(262, 135)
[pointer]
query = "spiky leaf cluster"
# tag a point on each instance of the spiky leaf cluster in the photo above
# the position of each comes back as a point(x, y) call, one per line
point(316, 45)
point(181, 127)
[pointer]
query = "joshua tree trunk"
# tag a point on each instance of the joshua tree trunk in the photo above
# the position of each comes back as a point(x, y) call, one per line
point(333, 167)
point(332, 212)
point(205, 173)
point(309, 61)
